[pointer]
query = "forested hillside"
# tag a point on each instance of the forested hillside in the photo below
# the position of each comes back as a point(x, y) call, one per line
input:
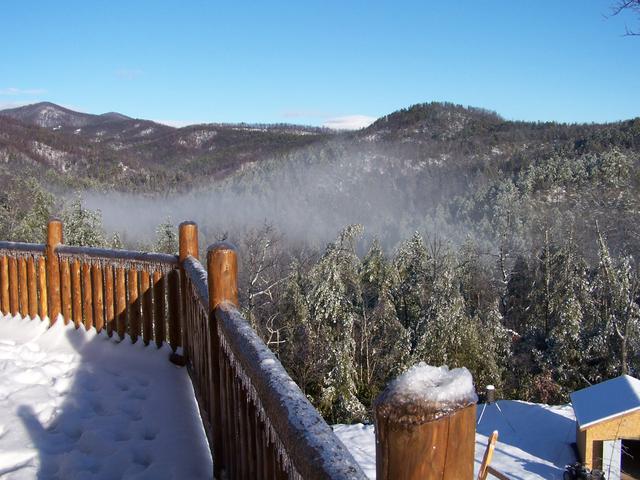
point(440, 233)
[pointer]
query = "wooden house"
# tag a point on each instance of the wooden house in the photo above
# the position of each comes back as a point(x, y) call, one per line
point(608, 426)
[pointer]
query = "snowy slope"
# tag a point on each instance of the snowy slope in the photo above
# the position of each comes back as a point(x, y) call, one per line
point(534, 440)
point(75, 405)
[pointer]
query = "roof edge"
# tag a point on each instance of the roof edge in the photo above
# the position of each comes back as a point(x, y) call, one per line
point(610, 417)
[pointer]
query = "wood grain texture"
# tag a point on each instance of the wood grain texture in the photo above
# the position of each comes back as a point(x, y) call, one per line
point(98, 297)
point(66, 290)
point(76, 292)
point(441, 449)
point(32, 281)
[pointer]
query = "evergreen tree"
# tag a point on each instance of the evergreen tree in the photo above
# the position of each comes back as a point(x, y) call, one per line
point(334, 309)
point(166, 238)
point(82, 226)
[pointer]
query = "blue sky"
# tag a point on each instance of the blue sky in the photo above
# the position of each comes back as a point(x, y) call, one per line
point(317, 62)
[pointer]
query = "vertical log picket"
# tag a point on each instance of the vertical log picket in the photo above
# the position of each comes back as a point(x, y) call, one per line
point(76, 287)
point(66, 289)
point(43, 309)
point(147, 306)
point(54, 238)
point(4, 285)
point(121, 303)
point(109, 310)
point(134, 305)
point(33, 287)
point(173, 281)
point(158, 308)
point(98, 297)
point(13, 286)
point(24, 292)
point(222, 273)
point(87, 296)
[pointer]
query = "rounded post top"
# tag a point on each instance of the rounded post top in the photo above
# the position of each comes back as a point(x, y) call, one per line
point(222, 271)
point(54, 231)
point(188, 240)
point(222, 245)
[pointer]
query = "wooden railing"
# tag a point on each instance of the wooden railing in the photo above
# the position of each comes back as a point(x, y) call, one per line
point(258, 422)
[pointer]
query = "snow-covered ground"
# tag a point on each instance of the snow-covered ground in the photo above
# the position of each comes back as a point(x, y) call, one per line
point(534, 440)
point(76, 405)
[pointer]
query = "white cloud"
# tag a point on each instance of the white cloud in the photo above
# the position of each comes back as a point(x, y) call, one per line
point(176, 123)
point(13, 91)
point(349, 122)
point(5, 105)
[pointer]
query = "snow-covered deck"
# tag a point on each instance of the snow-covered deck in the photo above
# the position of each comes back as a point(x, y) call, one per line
point(534, 441)
point(76, 404)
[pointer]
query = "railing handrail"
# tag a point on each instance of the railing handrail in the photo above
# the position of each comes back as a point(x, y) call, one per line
point(307, 440)
point(22, 247)
point(133, 257)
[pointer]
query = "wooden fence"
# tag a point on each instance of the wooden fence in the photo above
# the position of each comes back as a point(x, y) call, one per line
point(258, 422)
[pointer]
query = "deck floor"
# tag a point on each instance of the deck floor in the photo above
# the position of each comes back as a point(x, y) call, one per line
point(75, 405)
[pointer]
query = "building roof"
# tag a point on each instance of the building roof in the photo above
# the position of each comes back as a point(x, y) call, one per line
point(606, 400)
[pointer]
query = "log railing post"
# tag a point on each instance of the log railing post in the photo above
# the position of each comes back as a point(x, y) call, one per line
point(222, 275)
point(54, 238)
point(425, 425)
point(188, 246)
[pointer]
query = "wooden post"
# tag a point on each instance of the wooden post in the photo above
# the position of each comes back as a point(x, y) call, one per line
point(425, 435)
point(65, 287)
point(188, 240)
point(54, 238)
point(188, 246)
point(33, 287)
point(222, 266)
point(222, 277)
point(43, 310)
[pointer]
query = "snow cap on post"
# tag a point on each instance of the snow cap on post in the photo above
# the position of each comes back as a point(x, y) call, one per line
point(426, 425)
point(425, 393)
point(222, 268)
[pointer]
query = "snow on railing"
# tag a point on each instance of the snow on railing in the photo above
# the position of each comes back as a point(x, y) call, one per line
point(259, 422)
point(134, 293)
point(23, 286)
